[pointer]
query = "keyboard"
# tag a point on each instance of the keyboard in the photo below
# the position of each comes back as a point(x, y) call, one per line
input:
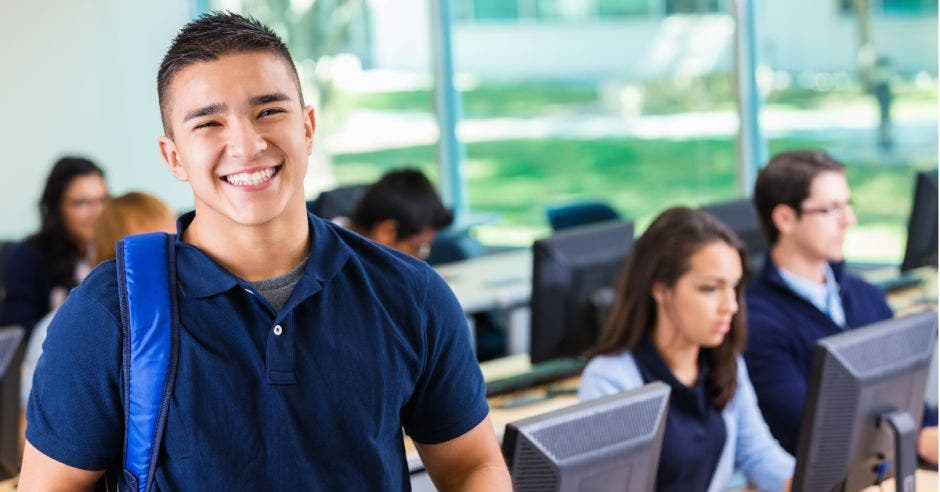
point(541, 373)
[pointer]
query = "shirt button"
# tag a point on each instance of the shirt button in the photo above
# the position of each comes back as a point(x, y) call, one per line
point(278, 330)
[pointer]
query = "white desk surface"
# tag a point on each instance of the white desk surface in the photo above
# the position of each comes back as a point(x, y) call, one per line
point(497, 281)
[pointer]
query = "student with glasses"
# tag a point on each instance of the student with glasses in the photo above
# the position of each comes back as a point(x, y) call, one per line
point(403, 211)
point(803, 292)
point(41, 270)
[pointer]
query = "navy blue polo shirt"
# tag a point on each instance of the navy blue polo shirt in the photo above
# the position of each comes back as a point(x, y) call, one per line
point(371, 341)
point(695, 431)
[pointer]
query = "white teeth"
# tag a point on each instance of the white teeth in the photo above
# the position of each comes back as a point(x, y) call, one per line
point(247, 179)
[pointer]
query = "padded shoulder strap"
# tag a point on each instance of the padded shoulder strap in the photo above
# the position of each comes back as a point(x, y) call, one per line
point(146, 270)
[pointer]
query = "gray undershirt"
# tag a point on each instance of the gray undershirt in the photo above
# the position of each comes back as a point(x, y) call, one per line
point(277, 290)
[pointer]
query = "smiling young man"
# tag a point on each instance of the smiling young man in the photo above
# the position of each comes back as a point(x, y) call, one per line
point(803, 292)
point(304, 349)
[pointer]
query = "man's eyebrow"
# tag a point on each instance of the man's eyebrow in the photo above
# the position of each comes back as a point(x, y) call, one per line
point(205, 111)
point(268, 98)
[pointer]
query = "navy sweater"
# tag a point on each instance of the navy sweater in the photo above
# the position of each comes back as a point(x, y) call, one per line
point(28, 284)
point(782, 331)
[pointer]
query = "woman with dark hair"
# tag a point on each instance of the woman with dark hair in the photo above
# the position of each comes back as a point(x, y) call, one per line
point(677, 319)
point(41, 270)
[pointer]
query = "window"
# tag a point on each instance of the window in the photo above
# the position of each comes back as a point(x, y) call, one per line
point(894, 6)
point(694, 6)
point(568, 10)
point(612, 9)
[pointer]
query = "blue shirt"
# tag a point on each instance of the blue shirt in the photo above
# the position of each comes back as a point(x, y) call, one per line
point(824, 296)
point(371, 341)
point(695, 432)
point(748, 446)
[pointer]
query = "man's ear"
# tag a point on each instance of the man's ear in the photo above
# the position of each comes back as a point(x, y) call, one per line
point(784, 218)
point(172, 158)
point(385, 232)
point(310, 124)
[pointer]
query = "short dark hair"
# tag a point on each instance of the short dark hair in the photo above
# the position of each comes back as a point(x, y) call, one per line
point(406, 196)
point(786, 180)
point(210, 36)
point(661, 255)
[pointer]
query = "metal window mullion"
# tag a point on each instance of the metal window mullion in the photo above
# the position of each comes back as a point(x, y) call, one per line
point(451, 151)
point(752, 147)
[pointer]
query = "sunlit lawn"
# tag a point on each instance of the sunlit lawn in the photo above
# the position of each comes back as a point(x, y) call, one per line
point(518, 179)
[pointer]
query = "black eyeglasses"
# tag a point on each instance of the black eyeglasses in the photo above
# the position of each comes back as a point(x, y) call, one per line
point(834, 210)
point(84, 202)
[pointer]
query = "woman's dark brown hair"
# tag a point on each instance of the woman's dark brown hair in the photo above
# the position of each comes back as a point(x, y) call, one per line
point(61, 249)
point(661, 255)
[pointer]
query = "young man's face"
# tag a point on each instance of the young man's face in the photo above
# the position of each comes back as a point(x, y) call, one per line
point(240, 137)
point(825, 216)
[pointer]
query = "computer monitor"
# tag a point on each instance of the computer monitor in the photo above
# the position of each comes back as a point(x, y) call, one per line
point(11, 358)
point(338, 202)
point(921, 249)
point(568, 268)
point(612, 443)
point(864, 406)
point(741, 217)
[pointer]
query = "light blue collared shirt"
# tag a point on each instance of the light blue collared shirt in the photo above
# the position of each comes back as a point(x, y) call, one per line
point(824, 296)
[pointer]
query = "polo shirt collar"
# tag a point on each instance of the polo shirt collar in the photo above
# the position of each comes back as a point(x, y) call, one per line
point(200, 276)
point(816, 293)
point(694, 399)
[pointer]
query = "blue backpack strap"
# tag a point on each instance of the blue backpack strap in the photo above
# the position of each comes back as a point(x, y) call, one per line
point(146, 274)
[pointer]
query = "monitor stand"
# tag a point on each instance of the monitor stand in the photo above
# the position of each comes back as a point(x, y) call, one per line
point(903, 429)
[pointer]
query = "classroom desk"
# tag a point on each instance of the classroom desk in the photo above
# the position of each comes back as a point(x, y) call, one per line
point(924, 480)
point(507, 408)
point(501, 281)
point(912, 298)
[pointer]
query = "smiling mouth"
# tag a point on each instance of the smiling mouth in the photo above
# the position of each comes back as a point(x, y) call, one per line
point(253, 178)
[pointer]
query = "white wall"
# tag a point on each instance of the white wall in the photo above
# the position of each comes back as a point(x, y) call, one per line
point(79, 76)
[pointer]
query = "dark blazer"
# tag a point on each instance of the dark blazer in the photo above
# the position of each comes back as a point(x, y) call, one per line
point(782, 331)
point(28, 285)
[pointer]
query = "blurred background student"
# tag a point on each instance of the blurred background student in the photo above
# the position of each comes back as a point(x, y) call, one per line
point(40, 271)
point(403, 211)
point(132, 213)
point(676, 319)
point(803, 292)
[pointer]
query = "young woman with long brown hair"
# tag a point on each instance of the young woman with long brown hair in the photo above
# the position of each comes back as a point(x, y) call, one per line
point(677, 319)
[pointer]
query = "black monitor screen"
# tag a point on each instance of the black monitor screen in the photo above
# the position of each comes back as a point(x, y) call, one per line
point(338, 202)
point(863, 383)
point(569, 268)
point(612, 443)
point(921, 249)
point(741, 217)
